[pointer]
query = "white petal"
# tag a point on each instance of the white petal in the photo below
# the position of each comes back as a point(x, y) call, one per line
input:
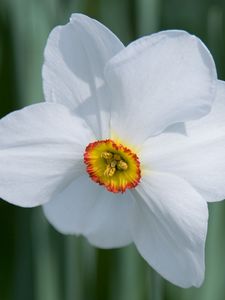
point(169, 228)
point(75, 57)
point(41, 151)
point(86, 208)
point(157, 81)
point(199, 155)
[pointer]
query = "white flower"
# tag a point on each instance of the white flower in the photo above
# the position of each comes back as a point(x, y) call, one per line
point(126, 147)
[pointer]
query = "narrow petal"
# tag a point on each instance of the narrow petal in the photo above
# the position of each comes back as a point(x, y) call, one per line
point(41, 151)
point(157, 81)
point(75, 56)
point(169, 228)
point(198, 155)
point(89, 209)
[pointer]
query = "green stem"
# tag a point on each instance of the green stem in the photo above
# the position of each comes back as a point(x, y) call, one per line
point(157, 290)
point(73, 279)
point(46, 272)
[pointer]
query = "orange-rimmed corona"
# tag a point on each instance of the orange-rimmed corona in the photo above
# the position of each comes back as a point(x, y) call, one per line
point(113, 165)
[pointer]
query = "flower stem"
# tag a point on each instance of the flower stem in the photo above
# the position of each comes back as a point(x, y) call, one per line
point(157, 290)
point(46, 273)
point(73, 281)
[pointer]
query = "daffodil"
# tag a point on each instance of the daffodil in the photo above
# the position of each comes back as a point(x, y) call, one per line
point(128, 147)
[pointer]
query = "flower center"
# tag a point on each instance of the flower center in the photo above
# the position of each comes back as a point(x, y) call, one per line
point(113, 165)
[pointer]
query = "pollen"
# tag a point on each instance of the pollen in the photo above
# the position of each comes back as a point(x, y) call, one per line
point(112, 165)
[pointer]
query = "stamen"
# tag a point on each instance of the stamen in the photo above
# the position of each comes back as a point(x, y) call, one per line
point(116, 157)
point(107, 155)
point(109, 171)
point(122, 165)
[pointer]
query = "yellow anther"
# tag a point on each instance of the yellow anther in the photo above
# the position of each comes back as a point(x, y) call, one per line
point(109, 171)
point(107, 155)
point(116, 157)
point(122, 165)
point(113, 163)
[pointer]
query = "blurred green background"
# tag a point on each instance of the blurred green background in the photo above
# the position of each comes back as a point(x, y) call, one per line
point(38, 263)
